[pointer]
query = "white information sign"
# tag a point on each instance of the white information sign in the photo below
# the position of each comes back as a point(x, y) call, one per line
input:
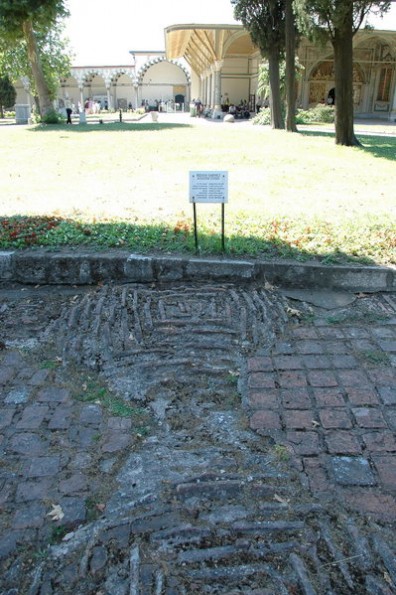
point(209, 186)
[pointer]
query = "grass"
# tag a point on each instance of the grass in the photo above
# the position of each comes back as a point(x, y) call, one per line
point(125, 185)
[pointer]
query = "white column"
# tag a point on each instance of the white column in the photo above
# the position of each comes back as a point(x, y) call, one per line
point(392, 113)
point(217, 113)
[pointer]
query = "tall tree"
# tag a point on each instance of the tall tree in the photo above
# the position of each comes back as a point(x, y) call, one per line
point(25, 20)
point(55, 56)
point(265, 22)
point(338, 21)
point(7, 94)
point(290, 57)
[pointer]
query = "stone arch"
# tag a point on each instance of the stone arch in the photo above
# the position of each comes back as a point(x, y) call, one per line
point(239, 42)
point(69, 91)
point(322, 80)
point(143, 70)
point(160, 81)
point(95, 87)
point(122, 89)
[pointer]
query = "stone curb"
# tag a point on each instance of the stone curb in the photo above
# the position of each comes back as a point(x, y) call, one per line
point(71, 268)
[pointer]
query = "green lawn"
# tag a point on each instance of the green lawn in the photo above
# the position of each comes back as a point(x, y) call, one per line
point(126, 185)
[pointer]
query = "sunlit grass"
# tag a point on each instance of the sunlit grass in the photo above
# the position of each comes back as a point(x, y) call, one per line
point(126, 185)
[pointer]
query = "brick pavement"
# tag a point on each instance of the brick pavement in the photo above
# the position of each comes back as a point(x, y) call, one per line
point(58, 446)
point(327, 392)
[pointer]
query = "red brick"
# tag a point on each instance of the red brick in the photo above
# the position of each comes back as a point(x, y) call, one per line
point(291, 378)
point(308, 347)
point(337, 347)
point(328, 332)
point(265, 420)
point(342, 442)
point(329, 397)
point(386, 468)
point(265, 399)
point(356, 333)
point(344, 361)
point(288, 362)
point(304, 443)
point(261, 380)
point(322, 378)
point(361, 396)
point(6, 417)
point(259, 364)
point(298, 418)
point(382, 441)
point(352, 378)
point(382, 376)
point(370, 502)
point(335, 418)
point(369, 417)
point(305, 332)
point(295, 398)
point(390, 415)
point(388, 395)
point(315, 362)
point(317, 476)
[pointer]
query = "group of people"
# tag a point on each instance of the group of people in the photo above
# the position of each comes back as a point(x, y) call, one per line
point(93, 107)
point(239, 111)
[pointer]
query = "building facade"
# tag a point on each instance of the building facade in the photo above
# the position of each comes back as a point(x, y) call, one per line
point(227, 65)
point(150, 78)
point(218, 64)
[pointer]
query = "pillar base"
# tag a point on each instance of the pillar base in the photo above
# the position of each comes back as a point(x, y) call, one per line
point(392, 116)
point(217, 114)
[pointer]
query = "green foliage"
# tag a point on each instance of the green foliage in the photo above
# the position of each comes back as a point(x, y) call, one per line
point(55, 57)
point(265, 22)
point(52, 117)
point(320, 113)
point(22, 22)
point(43, 13)
point(7, 94)
point(263, 83)
point(263, 118)
point(319, 19)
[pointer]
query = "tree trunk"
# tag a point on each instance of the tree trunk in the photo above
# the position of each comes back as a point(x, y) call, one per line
point(275, 96)
point(290, 68)
point(37, 71)
point(343, 66)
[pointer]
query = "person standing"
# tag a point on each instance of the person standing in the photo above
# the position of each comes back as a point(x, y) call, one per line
point(69, 112)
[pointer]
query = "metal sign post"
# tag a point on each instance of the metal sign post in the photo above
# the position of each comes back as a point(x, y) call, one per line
point(209, 187)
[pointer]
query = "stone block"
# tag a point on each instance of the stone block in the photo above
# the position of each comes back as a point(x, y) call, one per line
point(200, 268)
point(352, 471)
point(6, 265)
point(139, 269)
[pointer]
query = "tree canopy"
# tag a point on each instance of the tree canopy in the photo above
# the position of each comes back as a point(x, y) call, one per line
point(265, 22)
point(7, 94)
point(338, 21)
point(29, 23)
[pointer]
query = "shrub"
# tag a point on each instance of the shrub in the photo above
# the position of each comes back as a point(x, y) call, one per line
point(319, 113)
point(52, 117)
point(263, 117)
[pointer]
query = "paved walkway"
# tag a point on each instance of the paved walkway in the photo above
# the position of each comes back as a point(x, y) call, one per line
point(327, 391)
point(196, 438)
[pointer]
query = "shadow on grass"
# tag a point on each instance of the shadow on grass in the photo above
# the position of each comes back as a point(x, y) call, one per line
point(383, 147)
point(380, 146)
point(107, 127)
point(53, 234)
